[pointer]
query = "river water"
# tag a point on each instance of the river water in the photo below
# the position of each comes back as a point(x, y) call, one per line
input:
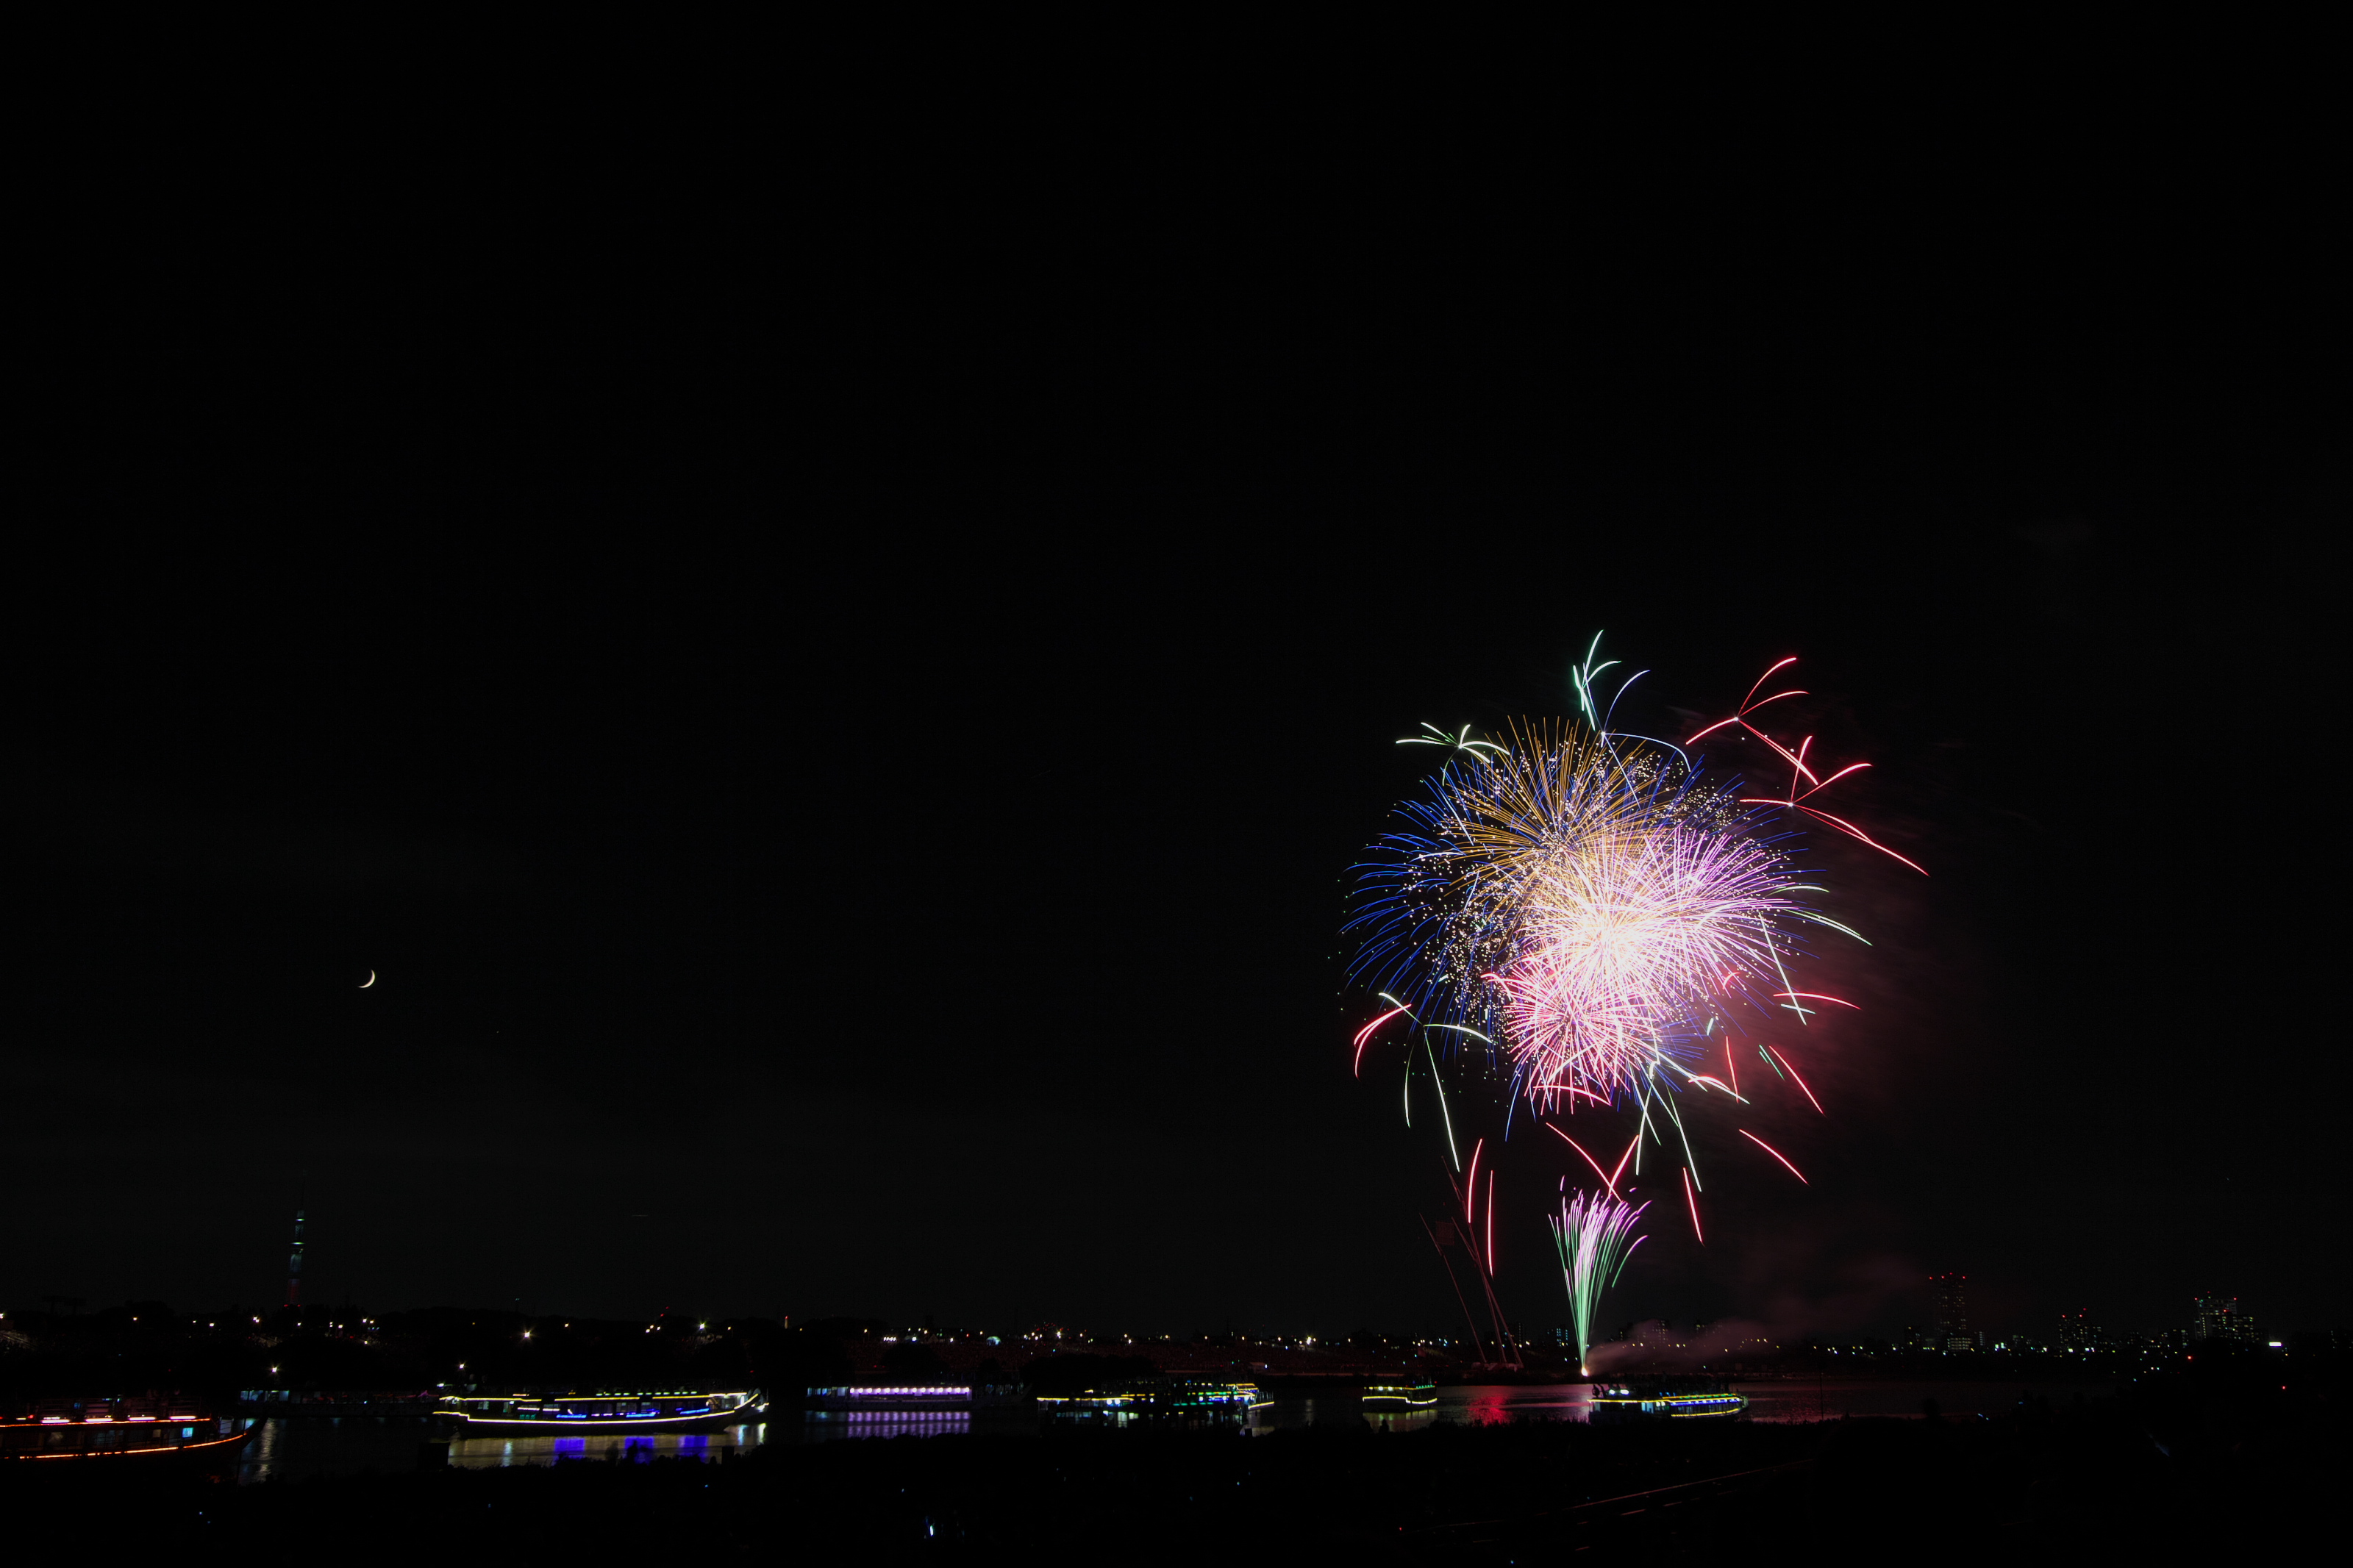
point(293, 1448)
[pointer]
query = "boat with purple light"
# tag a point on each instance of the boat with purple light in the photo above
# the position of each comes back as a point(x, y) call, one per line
point(898, 1397)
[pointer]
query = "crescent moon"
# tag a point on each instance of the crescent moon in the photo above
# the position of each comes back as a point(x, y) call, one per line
point(369, 981)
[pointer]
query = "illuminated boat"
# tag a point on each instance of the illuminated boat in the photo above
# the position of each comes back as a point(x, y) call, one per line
point(1156, 1401)
point(146, 1431)
point(897, 1397)
point(1389, 1395)
point(463, 1416)
point(1665, 1399)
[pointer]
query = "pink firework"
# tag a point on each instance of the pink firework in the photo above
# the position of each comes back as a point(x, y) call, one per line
point(1630, 939)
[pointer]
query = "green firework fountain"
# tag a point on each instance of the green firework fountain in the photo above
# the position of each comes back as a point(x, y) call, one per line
point(1594, 1233)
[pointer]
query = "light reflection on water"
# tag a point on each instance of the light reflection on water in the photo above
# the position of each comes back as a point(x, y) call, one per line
point(291, 1449)
point(497, 1453)
point(1829, 1399)
point(832, 1426)
point(294, 1449)
point(1826, 1399)
point(1466, 1405)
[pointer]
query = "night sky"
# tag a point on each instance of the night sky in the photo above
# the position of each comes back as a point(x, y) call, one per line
point(835, 668)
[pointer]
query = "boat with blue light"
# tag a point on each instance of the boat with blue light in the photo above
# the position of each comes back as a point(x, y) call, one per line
point(463, 1416)
point(1665, 1399)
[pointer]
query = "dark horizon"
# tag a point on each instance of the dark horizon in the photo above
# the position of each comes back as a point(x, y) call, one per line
point(836, 684)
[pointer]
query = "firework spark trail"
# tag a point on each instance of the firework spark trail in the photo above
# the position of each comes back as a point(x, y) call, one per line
point(1606, 1180)
point(1774, 1152)
point(1632, 1146)
point(1594, 1235)
point(1798, 768)
point(1444, 1115)
point(1364, 1035)
point(1691, 1166)
point(1801, 1082)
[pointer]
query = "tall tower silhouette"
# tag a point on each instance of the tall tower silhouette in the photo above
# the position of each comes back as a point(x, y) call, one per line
point(1952, 1310)
point(294, 1266)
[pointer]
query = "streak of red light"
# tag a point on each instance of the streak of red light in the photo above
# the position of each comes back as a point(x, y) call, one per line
point(1772, 1151)
point(1793, 1073)
point(1586, 1158)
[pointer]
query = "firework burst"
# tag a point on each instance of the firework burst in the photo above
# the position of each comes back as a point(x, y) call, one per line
point(1582, 903)
point(1631, 942)
point(1599, 912)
